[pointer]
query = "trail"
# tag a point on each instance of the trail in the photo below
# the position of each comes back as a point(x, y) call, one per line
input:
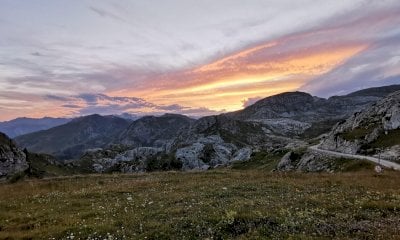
point(382, 162)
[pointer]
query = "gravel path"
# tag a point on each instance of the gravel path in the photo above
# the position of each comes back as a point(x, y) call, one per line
point(384, 163)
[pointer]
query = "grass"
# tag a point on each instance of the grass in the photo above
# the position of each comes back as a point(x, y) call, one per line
point(352, 165)
point(387, 140)
point(318, 128)
point(357, 133)
point(260, 160)
point(218, 204)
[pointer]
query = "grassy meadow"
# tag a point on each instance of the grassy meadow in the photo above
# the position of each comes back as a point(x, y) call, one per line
point(217, 204)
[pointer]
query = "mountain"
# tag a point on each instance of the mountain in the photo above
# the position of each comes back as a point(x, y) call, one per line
point(12, 159)
point(70, 140)
point(300, 114)
point(21, 126)
point(151, 131)
point(128, 116)
point(376, 91)
point(283, 121)
point(372, 131)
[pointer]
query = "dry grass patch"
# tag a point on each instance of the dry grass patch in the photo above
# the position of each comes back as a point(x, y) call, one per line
point(219, 204)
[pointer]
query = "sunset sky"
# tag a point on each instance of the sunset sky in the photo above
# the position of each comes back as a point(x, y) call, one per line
point(195, 57)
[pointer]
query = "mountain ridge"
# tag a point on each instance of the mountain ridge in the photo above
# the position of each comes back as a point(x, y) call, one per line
point(24, 125)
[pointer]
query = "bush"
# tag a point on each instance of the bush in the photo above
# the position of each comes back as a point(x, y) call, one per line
point(16, 177)
point(163, 163)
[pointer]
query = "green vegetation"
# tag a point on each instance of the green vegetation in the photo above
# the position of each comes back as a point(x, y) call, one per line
point(357, 133)
point(260, 160)
point(164, 162)
point(43, 165)
point(352, 165)
point(220, 204)
point(387, 140)
point(319, 128)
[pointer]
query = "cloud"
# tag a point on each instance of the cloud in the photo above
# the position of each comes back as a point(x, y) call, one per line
point(88, 103)
point(36, 54)
point(70, 106)
point(379, 65)
point(105, 13)
point(192, 58)
point(250, 101)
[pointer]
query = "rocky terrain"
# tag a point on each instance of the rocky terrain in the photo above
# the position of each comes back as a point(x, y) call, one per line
point(282, 122)
point(16, 163)
point(295, 113)
point(12, 159)
point(372, 131)
point(151, 131)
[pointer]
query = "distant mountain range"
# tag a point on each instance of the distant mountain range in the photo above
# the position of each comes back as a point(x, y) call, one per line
point(24, 125)
point(21, 126)
point(280, 121)
point(70, 140)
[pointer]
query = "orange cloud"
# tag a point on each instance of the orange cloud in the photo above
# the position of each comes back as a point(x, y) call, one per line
point(224, 84)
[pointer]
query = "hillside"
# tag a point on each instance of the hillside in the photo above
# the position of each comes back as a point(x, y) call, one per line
point(70, 140)
point(21, 126)
point(151, 131)
point(373, 131)
point(301, 114)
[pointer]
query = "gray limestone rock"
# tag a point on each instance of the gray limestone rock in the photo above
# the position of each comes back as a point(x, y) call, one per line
point(12, 159)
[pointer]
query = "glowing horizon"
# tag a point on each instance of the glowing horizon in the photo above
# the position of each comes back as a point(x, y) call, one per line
point(133, 57)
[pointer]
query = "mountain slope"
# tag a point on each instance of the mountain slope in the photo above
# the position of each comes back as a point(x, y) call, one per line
point(151, 131)
point(70, 140)
point(295, 113)
point(21, 126)
point(375, 129)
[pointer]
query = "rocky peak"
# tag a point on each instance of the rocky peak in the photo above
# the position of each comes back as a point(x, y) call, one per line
point(284, 105)
point(154, 131)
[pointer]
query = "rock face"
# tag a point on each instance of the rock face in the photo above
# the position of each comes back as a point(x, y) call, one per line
point(237, 132)
point(70, 140)
point(375, 129)
point(117, 159)
point(154, 131)
point(219, 140)
point(209, 152)
point(307, 162)
point(12, 159)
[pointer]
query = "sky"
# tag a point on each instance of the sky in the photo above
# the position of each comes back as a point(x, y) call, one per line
point(64, 58)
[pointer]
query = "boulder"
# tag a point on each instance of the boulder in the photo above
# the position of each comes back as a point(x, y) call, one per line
point(12, 159)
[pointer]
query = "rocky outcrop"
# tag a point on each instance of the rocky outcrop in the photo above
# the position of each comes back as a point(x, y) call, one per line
point(368, 132)
point(210, 152)
point(240, 133)
point(12, 159)
point(309, 161)
point(293, 113)
point(118, 159)
point(154, 131)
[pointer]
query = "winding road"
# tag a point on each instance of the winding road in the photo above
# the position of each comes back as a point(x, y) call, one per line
point(384, 163)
